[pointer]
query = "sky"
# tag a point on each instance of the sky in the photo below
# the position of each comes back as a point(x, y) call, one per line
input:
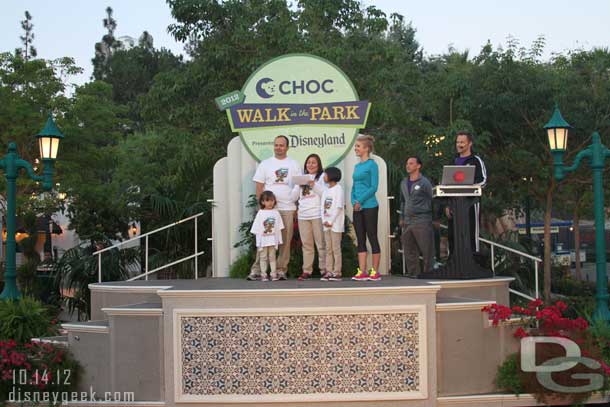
point(72, 27)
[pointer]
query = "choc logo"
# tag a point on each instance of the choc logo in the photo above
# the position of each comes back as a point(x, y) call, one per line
point(266, 87)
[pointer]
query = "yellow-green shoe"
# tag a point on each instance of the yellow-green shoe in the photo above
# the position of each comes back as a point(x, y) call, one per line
point(360, 275)
point(374, 275)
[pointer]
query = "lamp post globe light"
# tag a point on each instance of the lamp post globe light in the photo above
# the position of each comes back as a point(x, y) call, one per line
point(596, 153)
point(48, 140)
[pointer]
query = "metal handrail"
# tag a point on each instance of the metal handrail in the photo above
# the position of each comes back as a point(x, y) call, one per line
point(510, 249)
point(146, 235)
point(520, 294)
point(535, 259)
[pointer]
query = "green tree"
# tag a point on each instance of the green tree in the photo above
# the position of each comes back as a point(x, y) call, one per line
point(180, 187)
point(106, 47)
point(94, 125)
point(132, 72)
point(28, 51)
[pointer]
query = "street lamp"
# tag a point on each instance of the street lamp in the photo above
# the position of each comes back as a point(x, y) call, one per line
point(48, 140)
point(596, 153)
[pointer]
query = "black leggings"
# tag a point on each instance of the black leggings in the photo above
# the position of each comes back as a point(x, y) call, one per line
point(365, 223)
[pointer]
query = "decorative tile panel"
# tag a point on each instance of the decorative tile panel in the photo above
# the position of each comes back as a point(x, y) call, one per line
point(277, 355)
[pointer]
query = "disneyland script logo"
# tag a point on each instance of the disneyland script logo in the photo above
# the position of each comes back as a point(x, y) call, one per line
point(300, 96)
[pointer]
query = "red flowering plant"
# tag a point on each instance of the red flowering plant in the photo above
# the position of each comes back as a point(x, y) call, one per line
point(30, 368)
point(538, 319)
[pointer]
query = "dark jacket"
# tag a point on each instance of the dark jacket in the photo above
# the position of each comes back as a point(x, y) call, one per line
point(480, 172)
point(416, 206)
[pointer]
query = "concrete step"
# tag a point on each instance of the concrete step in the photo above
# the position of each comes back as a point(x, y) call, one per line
point(140, 309)
point(60, 340)
point(457, 303)
point(97, 326)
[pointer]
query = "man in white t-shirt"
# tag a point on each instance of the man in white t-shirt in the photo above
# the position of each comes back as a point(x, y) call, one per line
point(275, 174)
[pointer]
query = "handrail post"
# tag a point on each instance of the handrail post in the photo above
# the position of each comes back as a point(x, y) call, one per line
point(99, 267)
point(146, 259)
point(493, 261)
point(196, 251)
point(536, 277)
point(389, 240)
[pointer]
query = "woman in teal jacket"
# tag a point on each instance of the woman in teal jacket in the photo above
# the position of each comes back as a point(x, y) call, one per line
point(366, 208)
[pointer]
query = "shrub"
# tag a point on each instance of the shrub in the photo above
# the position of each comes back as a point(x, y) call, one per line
point(25, 319)
point(26, 278)
point(508, 377)
point(241, 267)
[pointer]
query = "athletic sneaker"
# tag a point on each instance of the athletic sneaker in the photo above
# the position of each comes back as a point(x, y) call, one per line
point(304, 276)
point(264, 277)
point(334, 277)
point(374, 275)
point(281, 276)
point(325, 277)
point(360, 275)
point(253, 277)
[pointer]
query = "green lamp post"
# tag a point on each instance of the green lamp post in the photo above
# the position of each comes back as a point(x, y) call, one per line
point(48, 141)
point(596, 153)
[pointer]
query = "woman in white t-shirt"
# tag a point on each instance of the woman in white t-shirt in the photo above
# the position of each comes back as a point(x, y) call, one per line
point(309, 217)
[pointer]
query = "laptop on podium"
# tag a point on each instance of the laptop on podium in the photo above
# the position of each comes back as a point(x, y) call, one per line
point(457, 180)
point(458, 175)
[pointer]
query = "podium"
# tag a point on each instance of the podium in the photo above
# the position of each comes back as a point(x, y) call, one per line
point(461, 264)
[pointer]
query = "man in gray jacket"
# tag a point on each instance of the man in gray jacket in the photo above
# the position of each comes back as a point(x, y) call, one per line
point(416, 218)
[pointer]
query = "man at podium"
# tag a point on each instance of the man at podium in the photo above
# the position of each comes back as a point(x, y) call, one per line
point(465, 156)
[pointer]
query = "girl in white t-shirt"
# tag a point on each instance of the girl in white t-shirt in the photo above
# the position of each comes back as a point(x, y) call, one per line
point(333, 219)
point(267, 227)
point(309, 217)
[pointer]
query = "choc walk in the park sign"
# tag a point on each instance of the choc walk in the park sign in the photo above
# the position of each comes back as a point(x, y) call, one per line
point(303, 97)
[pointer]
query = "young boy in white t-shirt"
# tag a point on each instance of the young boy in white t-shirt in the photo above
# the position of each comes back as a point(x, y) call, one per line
point(333, 218)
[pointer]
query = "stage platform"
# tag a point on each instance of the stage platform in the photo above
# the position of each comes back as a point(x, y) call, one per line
point(228, 342)
point(242, 284)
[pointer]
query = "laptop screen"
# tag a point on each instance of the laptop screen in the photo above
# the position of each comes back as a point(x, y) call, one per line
point(458, 175)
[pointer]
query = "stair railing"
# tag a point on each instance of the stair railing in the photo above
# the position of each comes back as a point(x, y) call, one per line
point(146, 236)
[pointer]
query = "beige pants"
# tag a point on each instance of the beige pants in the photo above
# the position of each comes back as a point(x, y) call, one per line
point(284, 253)
point(333, 251)
point(267, 257)
point(311, 231)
